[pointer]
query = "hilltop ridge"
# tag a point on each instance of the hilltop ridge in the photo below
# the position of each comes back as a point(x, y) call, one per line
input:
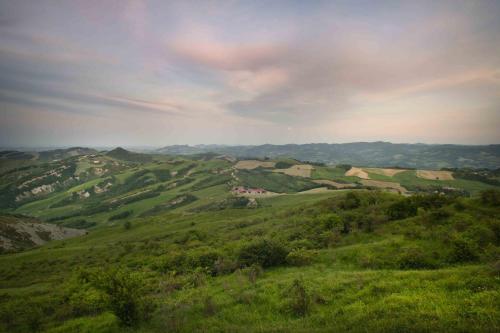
point(382, 154)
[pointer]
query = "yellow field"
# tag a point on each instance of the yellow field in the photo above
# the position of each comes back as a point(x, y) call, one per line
point(383, 171)
point(357, 172)
point(299, 170)
point(435, 175)
point(252, 164)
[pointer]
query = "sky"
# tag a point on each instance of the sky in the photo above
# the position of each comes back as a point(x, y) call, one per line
point(156, 73)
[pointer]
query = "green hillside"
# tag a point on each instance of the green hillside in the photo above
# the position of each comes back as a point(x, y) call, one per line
point(170, 248)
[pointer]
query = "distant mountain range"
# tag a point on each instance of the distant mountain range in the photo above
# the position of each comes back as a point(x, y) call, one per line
point(362, 153)
point(381, 154)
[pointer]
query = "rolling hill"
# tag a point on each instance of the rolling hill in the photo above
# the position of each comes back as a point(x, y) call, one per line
point(208, 242)
point(381, 154)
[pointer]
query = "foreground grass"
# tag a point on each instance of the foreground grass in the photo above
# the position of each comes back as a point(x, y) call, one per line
point(462, 299)
point(360, 280)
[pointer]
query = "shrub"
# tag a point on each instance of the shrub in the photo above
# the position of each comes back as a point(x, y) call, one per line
point(253, 273)
point(300, 257)
point(124, 292)
point(265, 252)
point(85, 301)
point(463, 250)
point(299, 299)
point(209, 306)
point(402, 209)
point(120, 216)
point(345, 167)
point(282, 165)
point(330, 221)
point(351, 201)
point(79, 224)
point(172, 262)
point(480, 234)
point(490, 197)
point(205, 260)
point(223, 266)
point(127, 225)
point(415, 258)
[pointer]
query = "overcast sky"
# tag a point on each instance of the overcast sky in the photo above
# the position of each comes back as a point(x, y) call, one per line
point(102, 73)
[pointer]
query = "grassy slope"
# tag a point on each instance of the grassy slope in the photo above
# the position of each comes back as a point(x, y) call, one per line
point(352, 286)
point(274, 182)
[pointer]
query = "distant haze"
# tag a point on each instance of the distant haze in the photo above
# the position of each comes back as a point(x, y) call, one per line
point(155, 73)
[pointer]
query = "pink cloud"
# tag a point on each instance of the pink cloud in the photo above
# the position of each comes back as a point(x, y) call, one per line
point(258, 81)
point(225, 56)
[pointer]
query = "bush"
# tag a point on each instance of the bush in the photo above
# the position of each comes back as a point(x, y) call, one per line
point(79, 224)
point(299, 299)
point(463, 250)
point(124, 292)
point(300, 257)
point(351, 201)
point(265, 252)
point(127, 225)
point(415, 258)
point(402, 209)
point(282, 165)
point(209, 307)
point(490, 197)
point(330, 222)
point(223, 266)
point(85, 301)
point(345, 167)
point(253, 272)
point(120, 216)
point(205, 260)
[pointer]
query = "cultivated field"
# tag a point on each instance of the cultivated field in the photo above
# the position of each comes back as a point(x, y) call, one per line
point(357, 172)
point(298, 170)
point(435, 175)
point(253, 164)
point(384, 172)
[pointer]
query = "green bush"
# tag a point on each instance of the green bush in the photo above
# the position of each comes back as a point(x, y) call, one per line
point(253, 272)
point(463, 250)
point(300, 257)
point(282, 165)
point(127, 225)
point(299, 299)
point(265, 252)
point(87, 301)
point(402, 209)
point(491, 197)
point(124, 291)
point(120, 216)
point(416, 258)
point(351, 201)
